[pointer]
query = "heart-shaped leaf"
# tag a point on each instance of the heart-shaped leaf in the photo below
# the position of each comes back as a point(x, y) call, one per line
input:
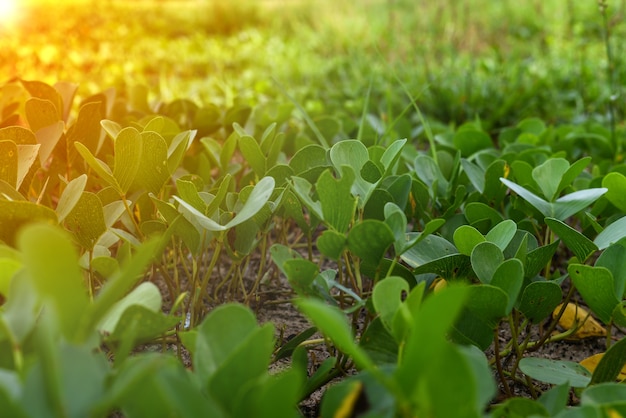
point(469, 141)
point(370, 240)
point(331, 243)
point(548, 176)
point(597, 288)
point(486, 258)
point(539, 300)
point(467, 237)
point(86, 220)
point(387, 298)
point(128, 155)
point(502, 233)
point(338, 203)
point(509, 276)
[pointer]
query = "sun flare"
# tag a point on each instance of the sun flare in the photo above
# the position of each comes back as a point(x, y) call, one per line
point(9, 11)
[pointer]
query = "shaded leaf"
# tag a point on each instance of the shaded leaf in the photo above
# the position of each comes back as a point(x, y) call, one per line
point(596, 286)
point(539, 299)
point(555, 372)
point(581, 246)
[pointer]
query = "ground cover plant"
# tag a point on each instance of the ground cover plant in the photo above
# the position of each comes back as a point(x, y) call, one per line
point(442, 211)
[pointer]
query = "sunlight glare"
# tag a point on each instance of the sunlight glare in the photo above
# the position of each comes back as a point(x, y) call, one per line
point(9, 12)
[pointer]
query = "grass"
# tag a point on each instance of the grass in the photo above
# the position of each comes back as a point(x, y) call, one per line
point(499, 61)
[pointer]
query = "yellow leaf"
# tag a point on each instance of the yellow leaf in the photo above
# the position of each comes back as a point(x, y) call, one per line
point(347, 405)
point(590, 363)
point(575, 316)
point(438, 284)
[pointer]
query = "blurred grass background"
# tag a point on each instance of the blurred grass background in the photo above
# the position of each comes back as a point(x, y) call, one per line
point(500, 61)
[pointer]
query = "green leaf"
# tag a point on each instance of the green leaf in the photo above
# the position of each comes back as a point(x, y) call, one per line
point(309, 159)
point(259, 196)
point(40, 113)
point(432, 323)
point(111, 128)
point(8, 268)
point(486, 258)
point(256, 201)
point(556, 372)
point(428, 249)
point(484, 308)
point(301, 273)
point(10, 392)
point(48, 138)
point(138, 324)
point(146, 295)
point(16, 214)
point(429, 172)
point(449, 267)
point(509, 276)
point(470, 141)
point(539, 300)
point(616, 184)
point(614, 260)
point(8, 162)
point(573, 203)
point(538, 203)
point(370, 240)
point(482, 374)
point(475, 174)
point(466, 238)
point(477, 211)
point(581, 246)
point(537, 259)
point(519, 407)
point(98, 166)
point(128, 156)
point(155, 385)
point(613, 233)
point(573, 172)
point(555, 399)
point(52, 263)
point(604, 394)
point(152, 172)
point(332, 323)
point(597, 288)
point(26, 156)
point(337, 202)
point(86, 220)
point(502, 233)
point(118, 285)
point(70, 196)
point(548, 176)
point(253, 155)
point(331, 243)
point(379, 344)
point(223, 330)
point(87, 128)
point(387, 299)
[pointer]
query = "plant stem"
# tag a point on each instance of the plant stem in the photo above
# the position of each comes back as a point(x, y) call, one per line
point(546, 336)
point(498, 361)
point(207, 275)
